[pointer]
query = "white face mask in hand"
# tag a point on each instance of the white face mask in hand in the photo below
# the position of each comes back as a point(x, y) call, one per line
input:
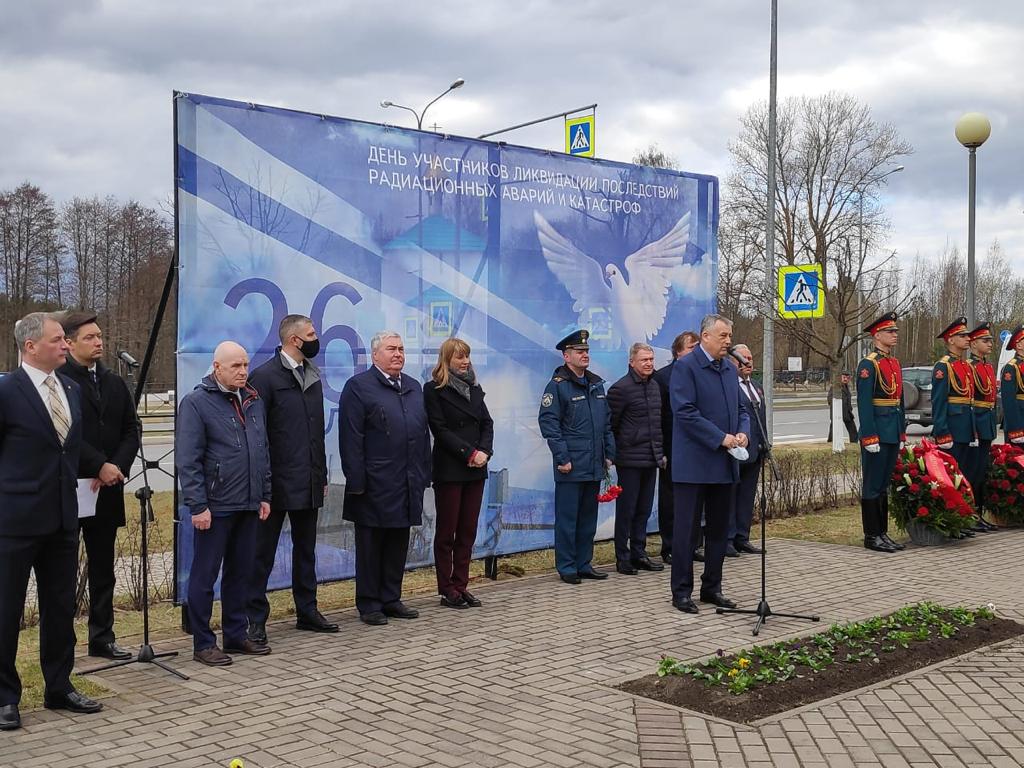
point(739, 453)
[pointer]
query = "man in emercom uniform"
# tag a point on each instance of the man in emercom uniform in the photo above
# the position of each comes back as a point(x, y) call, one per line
point(575, 420)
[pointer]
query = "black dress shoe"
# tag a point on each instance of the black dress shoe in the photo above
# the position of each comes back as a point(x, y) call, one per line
point(746, 546)
point(698, 555)
point(257, 632)
point(894, 544)
point(72, 701)
point(731, 551)
point(569, 578)
point(109, 650)
point(717, 598)
point(247, 648)
point(401, 611)
point(454, 602)
point(315, 622)
point(471, 601)
point(625, 569)
point(373, 618)
point(10, 717)
point(666, 557)
point(877, 544)
point(686, 605)
point(592, 574)
point(646, 564)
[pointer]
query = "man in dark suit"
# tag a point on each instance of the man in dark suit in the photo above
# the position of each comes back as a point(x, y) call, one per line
point(682, 345)
point(293, 396)
point(40, 441)
point(848, 418)
point(710, 422)
point(385, 455)
point(750, 468)
point(110, 440)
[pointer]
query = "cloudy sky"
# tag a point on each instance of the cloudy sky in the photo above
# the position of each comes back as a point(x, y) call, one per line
point(85, 85)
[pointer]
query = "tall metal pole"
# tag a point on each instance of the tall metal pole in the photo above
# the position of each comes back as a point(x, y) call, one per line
point(972, 155)
point(768, 352)
point(862, 252)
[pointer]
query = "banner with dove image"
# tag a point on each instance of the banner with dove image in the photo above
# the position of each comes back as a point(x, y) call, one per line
point(364, 226)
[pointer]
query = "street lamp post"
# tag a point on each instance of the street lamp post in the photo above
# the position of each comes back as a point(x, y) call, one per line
point(971, 130)
point(423, 112)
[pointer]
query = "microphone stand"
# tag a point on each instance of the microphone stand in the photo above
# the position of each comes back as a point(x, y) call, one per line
point(763, 610)
point(146, 653)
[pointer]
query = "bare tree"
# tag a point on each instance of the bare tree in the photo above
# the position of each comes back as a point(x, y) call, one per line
point(832, 159)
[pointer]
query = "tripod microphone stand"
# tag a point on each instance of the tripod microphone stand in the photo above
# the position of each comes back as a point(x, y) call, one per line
point(763, 610)
point(146, 653)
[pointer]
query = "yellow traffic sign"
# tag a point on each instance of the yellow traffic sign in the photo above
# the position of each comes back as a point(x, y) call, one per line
point(801, 291)
point(579, 136)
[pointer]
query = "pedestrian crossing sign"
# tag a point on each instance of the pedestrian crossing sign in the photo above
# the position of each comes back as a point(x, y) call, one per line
point(801, 291)
point(579, 136)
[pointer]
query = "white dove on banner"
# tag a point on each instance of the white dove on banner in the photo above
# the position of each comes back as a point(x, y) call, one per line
point(638, 307)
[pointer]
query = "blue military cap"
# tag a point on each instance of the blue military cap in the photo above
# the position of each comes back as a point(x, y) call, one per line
point(575, 340)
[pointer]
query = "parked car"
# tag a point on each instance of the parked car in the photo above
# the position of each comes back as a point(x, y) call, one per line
point(917, 395)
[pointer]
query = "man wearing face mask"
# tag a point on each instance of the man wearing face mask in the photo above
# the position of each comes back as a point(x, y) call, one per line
point(289, 385)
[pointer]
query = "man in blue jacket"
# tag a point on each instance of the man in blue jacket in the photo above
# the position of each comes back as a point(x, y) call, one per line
point(576, 421)
point(710, 421)
point(223, 462)
point(385, 455)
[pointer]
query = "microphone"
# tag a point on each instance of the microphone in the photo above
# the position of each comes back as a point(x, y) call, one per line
point(735, 355)
point(127, 359)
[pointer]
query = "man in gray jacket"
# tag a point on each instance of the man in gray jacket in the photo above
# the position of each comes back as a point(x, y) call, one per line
point(223, 462)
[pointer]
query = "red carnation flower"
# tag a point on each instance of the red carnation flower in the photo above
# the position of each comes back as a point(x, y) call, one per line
point(914, 472)
point(1012, 473)
point(1020, 487)
point(922, 511)
point(935, 493)
point(1004, 485)
point(914, 488)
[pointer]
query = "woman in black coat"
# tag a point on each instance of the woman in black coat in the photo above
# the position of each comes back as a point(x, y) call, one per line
point(463, 437)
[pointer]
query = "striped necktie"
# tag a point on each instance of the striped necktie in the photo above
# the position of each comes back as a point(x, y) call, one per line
point(61, 422)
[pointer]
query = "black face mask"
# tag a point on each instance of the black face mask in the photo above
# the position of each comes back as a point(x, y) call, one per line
point(309, 348)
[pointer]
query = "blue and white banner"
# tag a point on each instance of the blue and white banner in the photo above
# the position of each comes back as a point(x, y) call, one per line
point(365, 227)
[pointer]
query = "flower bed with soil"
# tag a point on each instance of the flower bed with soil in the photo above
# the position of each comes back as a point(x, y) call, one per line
point(765, 680)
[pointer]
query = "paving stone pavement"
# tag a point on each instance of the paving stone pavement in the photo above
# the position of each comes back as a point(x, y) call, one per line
point(527, 681)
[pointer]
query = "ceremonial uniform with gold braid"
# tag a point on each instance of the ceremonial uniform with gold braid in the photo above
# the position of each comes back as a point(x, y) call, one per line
point(952, 407)
point(1011, 391)
point(984, 406)
point(882, 423)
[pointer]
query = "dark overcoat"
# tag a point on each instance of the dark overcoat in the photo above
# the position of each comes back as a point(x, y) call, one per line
point(384, 443)
point(38, 476)
point(459, 426)
point(706, 406)
point(110, 434)
point(295, 429)
point(755, 436)
point(635, 405)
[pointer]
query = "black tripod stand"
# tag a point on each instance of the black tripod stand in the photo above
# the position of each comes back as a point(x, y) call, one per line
point(146, 653)
point(763, 610)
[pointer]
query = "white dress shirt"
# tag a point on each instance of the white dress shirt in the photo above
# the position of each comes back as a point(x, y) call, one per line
point(38, 378)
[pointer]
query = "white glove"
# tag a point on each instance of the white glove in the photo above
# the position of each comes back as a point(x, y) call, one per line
point(739, 453)
point(1018, 440)
point(973, 443)
point(945, 446)
point(874, 448)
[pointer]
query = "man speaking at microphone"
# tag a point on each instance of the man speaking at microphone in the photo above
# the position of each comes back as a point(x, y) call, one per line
point(709, 434)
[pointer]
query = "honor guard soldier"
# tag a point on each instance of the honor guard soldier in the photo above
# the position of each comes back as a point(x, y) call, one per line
point(1011, 389)
point(952, 396)
point(984, 415)
point(882, 430)
point(576, 421)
